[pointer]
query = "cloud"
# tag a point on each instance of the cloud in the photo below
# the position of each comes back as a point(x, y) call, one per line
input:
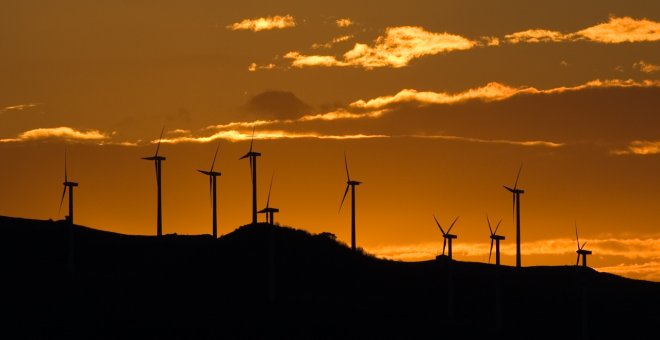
point(342, 114)
point(266, 23)
point(344, 22)
point(646, 67)
point(616, 30)
point(254, 67)
point(619, 30)
point(235, 135)
point(493, 91)
point(644, 271)
point(494, 141)
point(334, 41)
point(276, 105)
point(62, 132)
point(397, 48)
point(19, 107)
point(535, 36)
point(640, 147)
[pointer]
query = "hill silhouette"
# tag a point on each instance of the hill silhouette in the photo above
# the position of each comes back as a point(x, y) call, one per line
point(262, 281)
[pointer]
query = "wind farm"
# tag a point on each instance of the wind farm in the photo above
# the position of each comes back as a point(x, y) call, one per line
point(541, 115)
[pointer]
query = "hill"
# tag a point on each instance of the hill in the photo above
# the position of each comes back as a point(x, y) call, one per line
point(262, 281)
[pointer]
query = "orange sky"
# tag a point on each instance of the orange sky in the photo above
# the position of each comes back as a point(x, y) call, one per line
point(436, 107)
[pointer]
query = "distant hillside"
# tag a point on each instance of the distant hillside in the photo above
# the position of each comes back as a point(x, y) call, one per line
point(262, 281)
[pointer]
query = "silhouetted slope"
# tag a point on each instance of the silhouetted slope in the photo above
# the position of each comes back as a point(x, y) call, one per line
point(262, 281)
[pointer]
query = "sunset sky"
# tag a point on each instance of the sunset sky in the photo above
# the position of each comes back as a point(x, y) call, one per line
point(435, 103)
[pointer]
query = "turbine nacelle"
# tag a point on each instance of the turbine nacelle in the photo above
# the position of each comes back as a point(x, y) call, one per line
point(268, 210)
point(154, 158)
point(251, 154)
point(210, 173)
point(515, 190)
point(497, 237)
point(353, 183)
point(70, 184)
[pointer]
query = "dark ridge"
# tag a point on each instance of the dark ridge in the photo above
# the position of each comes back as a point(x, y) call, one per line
point(263, 281)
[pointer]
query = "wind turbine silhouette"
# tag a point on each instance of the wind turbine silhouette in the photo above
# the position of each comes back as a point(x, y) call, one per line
point(350, 184)
point(494, 238)
point(157, 162)
point(253, 173)
point(581, 250)
point(268, 210)
point(67, 186)
point(212, 188)
point(447, 236)
point(516, 207)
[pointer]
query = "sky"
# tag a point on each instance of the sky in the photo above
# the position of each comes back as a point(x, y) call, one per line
point(436, 105)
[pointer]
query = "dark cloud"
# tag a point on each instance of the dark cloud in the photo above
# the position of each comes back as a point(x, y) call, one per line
point(275, 105)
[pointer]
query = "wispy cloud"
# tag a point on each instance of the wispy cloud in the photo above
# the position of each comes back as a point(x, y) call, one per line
point(265, 23)
point(494, 141)
point(342, 114)
point(490, 92)
point(624, 29)
point(331, 43)
point(235, 135)
point(344, 22)
point(535, 36)
point(646, 67)
point(396, 48)
point(19, 107)
point(255, 67)
point(640, 147)
point(62, 132)
point(616, 30)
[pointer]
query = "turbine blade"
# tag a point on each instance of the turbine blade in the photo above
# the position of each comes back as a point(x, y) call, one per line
point(251, 172)
point(584, 244)
point(491, 249)
point(444, 244)
point(438, 223)
point(577, 262)
point(577, 238)
point(159, 138)
point(513, 209)
point(491, 230)
point(343, 198)
point(211, 190)
point(497, 226)
point(269, 188)
point(348, 177)
point(452, 225)
point(216, 155)
point(515, 185)
point(61, 201)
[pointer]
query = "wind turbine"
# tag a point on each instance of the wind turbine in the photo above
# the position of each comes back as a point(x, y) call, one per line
point(253, 173)
point(350, 184)
point(494, 238)
point(447, 236)
point(268, 210)
point(68, 186)
point(212, 188)
point(157, 160)
point(581, 250)
point(516, 207)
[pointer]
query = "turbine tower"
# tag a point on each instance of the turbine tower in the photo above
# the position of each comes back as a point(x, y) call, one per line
point(350, 184)
point(68, 186)
point(268, 210)
point(494, 238)
point(252, 155)
point(516, 207)
point(447, 236)
point(157, 162)
point(212, 188)
point(581, 250)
